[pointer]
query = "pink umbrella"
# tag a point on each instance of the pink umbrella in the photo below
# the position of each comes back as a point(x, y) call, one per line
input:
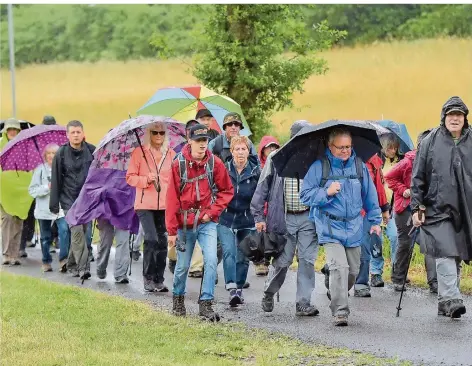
point(25, 151)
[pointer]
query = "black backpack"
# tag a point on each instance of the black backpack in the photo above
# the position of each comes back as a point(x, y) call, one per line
point(326, 170)
point(218, 150)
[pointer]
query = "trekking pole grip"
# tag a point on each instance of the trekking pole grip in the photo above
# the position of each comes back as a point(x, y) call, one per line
point(421, 212)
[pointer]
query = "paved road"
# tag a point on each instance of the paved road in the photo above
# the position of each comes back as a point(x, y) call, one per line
point(418, 335)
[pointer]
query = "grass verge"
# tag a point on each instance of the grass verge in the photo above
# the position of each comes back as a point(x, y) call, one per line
point(55, 324)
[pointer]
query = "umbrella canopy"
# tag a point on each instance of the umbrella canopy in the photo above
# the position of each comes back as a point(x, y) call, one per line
point(184, 103)
point(25, 151)
point(296, 156)
point(400, 130)
point(115, 149)
point(23, 124)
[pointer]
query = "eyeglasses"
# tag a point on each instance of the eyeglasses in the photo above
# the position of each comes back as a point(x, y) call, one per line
point(155, 133)
point(342, 148)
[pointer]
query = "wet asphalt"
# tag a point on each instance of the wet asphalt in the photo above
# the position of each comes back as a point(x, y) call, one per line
point(419, 335)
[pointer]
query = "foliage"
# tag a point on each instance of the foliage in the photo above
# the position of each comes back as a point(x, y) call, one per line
point(240, 54)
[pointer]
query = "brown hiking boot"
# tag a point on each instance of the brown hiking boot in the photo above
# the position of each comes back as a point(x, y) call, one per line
point(178, 306)
point(196, 274)
point(47, 267)
point(340, 320)
point(63, 266)
point(206, 311)
point(262, 270)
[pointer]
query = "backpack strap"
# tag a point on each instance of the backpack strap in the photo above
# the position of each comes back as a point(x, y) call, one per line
point(326, 170)
point(218, 147)
point(182, 171)
point(210, 167)
point(359, 169)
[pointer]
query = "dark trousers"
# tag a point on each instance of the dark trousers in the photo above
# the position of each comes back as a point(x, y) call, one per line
point(28, 227)
point(401, 265)
point(155, 244)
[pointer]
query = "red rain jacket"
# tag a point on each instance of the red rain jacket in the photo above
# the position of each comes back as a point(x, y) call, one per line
point(399, 179)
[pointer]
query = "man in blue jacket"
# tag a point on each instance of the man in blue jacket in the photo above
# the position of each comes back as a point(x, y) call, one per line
point(335, 208)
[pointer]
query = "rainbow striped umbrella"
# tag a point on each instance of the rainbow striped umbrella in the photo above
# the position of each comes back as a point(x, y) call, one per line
point(183, 104)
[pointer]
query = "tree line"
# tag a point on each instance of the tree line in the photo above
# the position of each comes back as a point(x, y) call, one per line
point(55, 33)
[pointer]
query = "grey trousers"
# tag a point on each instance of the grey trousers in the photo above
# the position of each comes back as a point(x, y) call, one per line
point(11, 234)
point(138, 239)
point(344, 266)
point(449, 273)
point(122, 255)
point(78, 260)
point(301, 234)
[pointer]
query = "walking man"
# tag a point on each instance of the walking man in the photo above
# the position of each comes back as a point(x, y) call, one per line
point(441, 182)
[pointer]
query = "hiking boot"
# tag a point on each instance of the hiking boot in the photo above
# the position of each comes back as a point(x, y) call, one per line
point(30, 244)
point(340, 320)
point(6, 260)
point(63, 266)
point(240, 294)
point(101, 274)
point(325, 271)
point(136, 254)
point(268, 303)
point(196, 274)
point(16, 262)
point(52, 250)
point(123, 280)
point(172, 265)
point(306, 310)
point(47, 267)
point(363, 292)
point(178, 305)
point(262, 270)
point(455, 308)
point(234, 299)
point(376, 281)
point(149, 285)
point(433, 288)
point(85, 276)
point(246, 285)
point(74, 272)
point(398, 287)
point(160, 287)
point(206, 311)
point(23, 254)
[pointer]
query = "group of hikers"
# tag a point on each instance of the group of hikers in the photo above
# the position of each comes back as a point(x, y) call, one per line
point(199, 205)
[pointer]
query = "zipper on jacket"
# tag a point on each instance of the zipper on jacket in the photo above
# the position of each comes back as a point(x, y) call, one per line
point(142, 195)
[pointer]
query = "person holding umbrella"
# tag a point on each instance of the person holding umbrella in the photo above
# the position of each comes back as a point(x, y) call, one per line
point(441, 182)
point(15, 201)
point(149, 172)
point(335, 208)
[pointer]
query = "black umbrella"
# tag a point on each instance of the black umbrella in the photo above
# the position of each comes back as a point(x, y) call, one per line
point(296, 156)
point(23, 124)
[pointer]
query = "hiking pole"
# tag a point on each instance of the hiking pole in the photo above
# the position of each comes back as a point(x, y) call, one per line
point(414, 231)
point(130, 247)
point(201, 283)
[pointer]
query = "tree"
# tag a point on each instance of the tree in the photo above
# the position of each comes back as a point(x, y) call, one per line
point(259, 55)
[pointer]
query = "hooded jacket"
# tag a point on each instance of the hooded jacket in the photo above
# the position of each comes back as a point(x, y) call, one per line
point(374, 165)
point(177, 201)
point(266, 140)
point(147, 197)
point(39, 189)
point(327, 212)
point(442, 181)
point(69, 170)
point(238, 215)
point(399, 180)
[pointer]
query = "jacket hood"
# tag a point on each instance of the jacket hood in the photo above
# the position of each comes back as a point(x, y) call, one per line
point(410, 155)
point(187, 153)
point(266, 140)
point(297, 126)
point(454, 103)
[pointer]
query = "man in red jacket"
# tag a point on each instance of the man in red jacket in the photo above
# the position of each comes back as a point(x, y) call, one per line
point(399, 181)
point(361, 287)
point(199, 190)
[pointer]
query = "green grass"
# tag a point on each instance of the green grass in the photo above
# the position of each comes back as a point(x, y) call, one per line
point(55, 324)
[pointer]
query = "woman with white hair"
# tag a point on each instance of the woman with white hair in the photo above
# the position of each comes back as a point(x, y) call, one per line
point(149, 172)
point(40, 189)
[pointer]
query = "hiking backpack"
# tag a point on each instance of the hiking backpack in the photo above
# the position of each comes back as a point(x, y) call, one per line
point(209, 168)
point(326, 170)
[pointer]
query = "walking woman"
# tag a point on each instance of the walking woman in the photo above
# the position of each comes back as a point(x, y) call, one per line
point(237, 222)
point(149, 172)
point(40, 189)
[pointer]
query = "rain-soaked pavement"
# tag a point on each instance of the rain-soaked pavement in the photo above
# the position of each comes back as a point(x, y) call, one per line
point(418, 335)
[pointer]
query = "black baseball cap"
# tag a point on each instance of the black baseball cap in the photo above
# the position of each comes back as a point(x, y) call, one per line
point(191, 123)
point(203, 113)
point(199, 132)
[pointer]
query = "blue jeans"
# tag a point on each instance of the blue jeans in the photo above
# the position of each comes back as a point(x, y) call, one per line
point(235, 263)
point(377, 264)
point(362, 280)
point(45, 227)
point(206, 236)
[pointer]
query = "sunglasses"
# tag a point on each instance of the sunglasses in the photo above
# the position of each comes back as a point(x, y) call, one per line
point(231, 124)
point(155, 133)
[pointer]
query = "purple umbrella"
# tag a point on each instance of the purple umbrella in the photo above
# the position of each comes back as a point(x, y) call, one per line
point(115, 149)
point(25, 151)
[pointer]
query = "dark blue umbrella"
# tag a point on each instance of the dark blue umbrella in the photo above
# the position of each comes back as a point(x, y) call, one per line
point(400, 130)
point(296, 156)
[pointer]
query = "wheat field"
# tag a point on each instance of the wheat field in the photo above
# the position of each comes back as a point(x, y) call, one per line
point(403, 81)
